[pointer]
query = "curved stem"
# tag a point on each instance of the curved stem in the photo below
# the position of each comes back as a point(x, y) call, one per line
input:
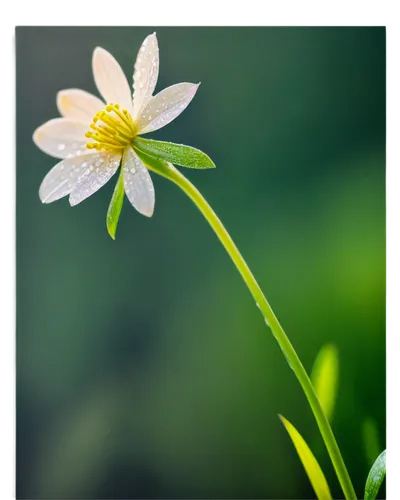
point(170, 172)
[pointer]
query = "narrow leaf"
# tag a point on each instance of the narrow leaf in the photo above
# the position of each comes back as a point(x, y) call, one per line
point(178, 154)
point(161, 167)
point(310, 464)
point(114, 210)
point(370, 436)
point(324, 377)
point(375, 477)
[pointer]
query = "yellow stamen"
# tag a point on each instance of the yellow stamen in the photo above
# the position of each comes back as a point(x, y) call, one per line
point(111, 129)
point(115, 124)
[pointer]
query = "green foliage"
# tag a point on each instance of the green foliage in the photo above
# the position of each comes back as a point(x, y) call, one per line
point(115, 207)
point(310, 464)
point(324, 377)
point(178, 154)
point(375, 477)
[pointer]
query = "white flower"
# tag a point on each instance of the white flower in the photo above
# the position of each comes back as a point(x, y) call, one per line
point(93, 136)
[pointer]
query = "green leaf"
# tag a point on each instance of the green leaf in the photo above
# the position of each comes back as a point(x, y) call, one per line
point(114, 210)
point(324, 377)
point(161, 167)
point(310, 464)
point(371, 439)
point(178, 154)
point(375, 477)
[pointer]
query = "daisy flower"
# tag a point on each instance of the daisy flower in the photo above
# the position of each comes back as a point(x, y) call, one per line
point(94, 137)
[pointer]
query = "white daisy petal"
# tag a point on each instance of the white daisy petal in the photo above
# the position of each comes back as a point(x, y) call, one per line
point(62, 137)
point(101, 167)
point(62, 178)
point(78, 104)
point(145, 74)
point(110, 79)
point(166, 106)
point(137, 183)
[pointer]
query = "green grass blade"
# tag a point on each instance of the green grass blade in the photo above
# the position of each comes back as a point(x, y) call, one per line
point(115, 207)
point(324, 377)
point(375, 477)
point(178, 154)
point(310, 464)
point(370, 436)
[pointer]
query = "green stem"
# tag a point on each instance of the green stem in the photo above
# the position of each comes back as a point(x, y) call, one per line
point(170, 172)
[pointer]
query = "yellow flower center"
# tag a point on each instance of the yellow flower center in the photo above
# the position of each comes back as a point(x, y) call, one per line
point(111, 129)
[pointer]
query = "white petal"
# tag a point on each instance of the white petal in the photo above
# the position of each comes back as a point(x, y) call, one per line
point(62, 178)
point(62, 138)
point(110, 79)
point(166, 106)
point(101, 167)
point(137, 183)
point(145, 74)
point(78, 104)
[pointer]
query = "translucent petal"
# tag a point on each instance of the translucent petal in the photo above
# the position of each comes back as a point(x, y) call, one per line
point(138, 184)
point(145, 74)
point(62, 137)
point(98, 171)
point(78, 104)
point(110, 79)
point(166, 106)
point(62, 178)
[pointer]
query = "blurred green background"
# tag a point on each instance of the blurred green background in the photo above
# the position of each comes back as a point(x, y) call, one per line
point(144, 369)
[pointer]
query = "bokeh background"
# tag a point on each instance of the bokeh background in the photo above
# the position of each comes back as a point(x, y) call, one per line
point(144, 369)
